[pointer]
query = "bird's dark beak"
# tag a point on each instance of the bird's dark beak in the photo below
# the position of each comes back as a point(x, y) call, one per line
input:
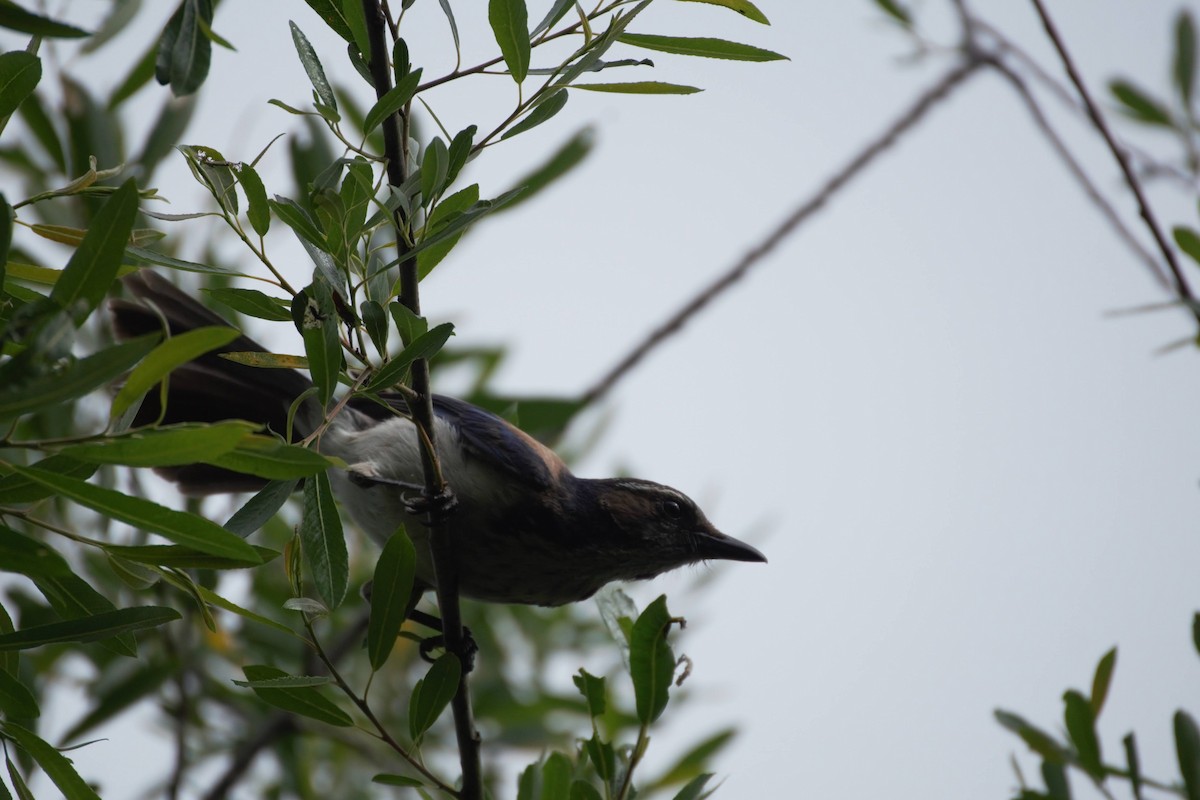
point(712, 544)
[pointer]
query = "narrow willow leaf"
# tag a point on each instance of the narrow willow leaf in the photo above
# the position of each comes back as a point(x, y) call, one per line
point(172, 353)
point(93, 266)
point(425, 346)
point(592, 689)
point(410, 326)
point(1139, 105)
point(584, 791)
point(694, 790)
point(651, 662)
point(76, 379)
point(1187, 749)
point(287, 682)
point(603, 757)
point(1133, 764)
point(271, 458)
point(16, 701)
point(1081, 727)
point(1102, 680)
point(163, 447)
point(296, 218)
point(15, 489)
point(692, 763)
point(16, 18)
point(141, 255)
point(253, 303)
point(213, 171)
point(259, 509)
point(743, 7)
point(553, 103)
point(266, 360)
point(395, 99)
point(896, 11)
point(1184, 71)
point(258, 209)
point(312, 66)
point(556, 776)
point(1188, 241)
point(20, 73)
point(434, 166)
point(639, 87)
point(433, 693)
point(176, 557)
point(58, 767)
point(305, 701)
point(178, 526)
point(700, 46)
point(185, 52)
point(6, 223)
point(88, 629)
point(322, 344)
point(375, 320)
point(333, 15)
point(1038, 740)
point(323, 541)
point(459, 152)
point(510, 25)
point(390, 592)
point(450, 206)
point(387, 779)
point(445, 4)
point(556, 12)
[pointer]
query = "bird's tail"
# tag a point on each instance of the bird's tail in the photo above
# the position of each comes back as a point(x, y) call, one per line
point(210, 388)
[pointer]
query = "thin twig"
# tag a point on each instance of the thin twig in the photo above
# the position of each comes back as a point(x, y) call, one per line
point(915, 113)
point(1144, 209)
point(1089, 188)
point(442, 547)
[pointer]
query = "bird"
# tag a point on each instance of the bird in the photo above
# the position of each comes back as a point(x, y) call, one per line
point(524, 529)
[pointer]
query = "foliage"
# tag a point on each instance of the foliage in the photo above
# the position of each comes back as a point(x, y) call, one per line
point(227, 640)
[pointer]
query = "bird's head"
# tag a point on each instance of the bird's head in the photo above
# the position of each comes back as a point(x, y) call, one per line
point(663, 527)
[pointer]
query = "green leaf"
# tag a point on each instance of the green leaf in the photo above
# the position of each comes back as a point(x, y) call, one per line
point(584, 791)
point(603, 757)
point(312, 66)
point(305, 701)
point(395, 99)
point(141, 682)
point(88, 629)
point(1184, 70)
point(640, 87)
point(1081, 727)
point(184, 51)
point(694, 790)
point(510, 25)
point(141, 255)
point(396, 780)
point(16, 18)
point(1188, 241)
point(425, 346)
point(390, 593)
point(163, 447)
point(896, 11)
point(375, 320)
point(57, 766)
point(433, 693)
point(410, 326)
point(16, 701)
point(75, 380)
point(296, 218)
point(177, 526)
point(176, 557)
point(323, 541)
point(1187, 748)
point(556, 776)
point(1102, 680)
point(450, 206)
point(743, 7)
point(434, 166)
point(553, 103)
point(19, 75)
point(213, 171)
point(592, 689)
point(93, 266)
point(331, 11)
point(271, 458)
point(15, 489)
point(693, 762)
point(322, 345)
point(253, 303)
point(700, 46)
point(459, 152)
point(259, 210)
point(172, 353)
point(1139, 105)
point(259, 509)
point(560, 163)
point(1133, 764)
point(651, 662)
point(1038, 740)
point(286, 682)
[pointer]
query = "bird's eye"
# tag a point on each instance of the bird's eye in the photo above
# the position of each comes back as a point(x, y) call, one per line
point(671, 509)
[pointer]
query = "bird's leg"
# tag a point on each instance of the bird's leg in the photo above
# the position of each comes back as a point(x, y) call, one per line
point(431, 643)
point(417, 501)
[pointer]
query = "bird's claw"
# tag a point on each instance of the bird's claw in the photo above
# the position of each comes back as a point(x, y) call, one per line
point(467, 657)
point(437, 505)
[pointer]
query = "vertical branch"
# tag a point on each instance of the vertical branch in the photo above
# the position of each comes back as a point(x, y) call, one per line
point(1147, 213)
point(395, 137)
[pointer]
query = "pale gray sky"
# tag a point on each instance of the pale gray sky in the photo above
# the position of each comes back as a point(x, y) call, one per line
point(970, 482)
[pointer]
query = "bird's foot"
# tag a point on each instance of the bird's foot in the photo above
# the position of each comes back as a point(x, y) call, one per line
point(438, 642)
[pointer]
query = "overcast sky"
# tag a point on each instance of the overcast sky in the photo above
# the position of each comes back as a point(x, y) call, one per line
point(969, 479)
